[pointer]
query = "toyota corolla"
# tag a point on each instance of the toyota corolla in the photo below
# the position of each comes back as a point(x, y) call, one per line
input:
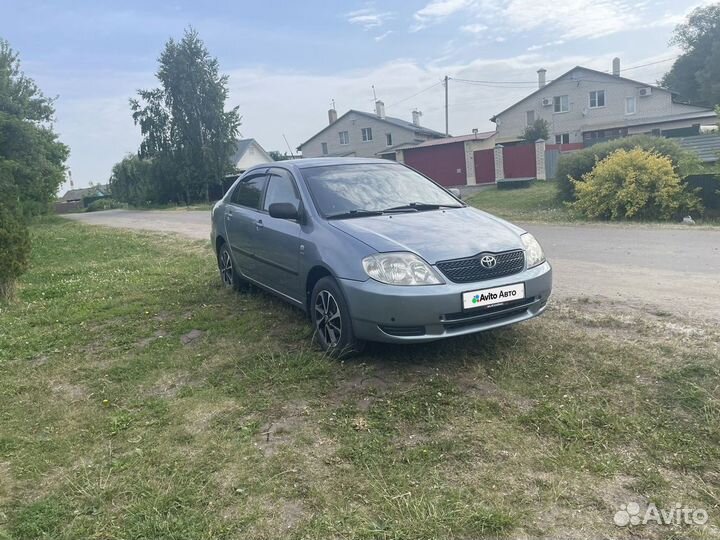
point(373, 250)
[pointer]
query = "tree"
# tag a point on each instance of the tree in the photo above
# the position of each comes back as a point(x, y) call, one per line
point(34, 160)
point(277, 156)
point(132, 181)
point(32, 163)
point(14, 238)
point(186, 131)
point(633, 184)
point(540, 129)
point(695, 75)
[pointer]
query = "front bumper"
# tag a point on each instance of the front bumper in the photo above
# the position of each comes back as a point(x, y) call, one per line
point(397, 314)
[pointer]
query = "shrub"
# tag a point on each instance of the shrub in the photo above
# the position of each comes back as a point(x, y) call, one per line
point(578, 164)
point(633, 184)
point(14, 242)
point(102, 204)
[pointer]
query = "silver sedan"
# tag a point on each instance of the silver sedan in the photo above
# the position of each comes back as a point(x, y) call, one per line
point(373, 250)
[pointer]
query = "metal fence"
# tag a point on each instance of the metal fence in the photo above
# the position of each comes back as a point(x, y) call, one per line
point(551, 163)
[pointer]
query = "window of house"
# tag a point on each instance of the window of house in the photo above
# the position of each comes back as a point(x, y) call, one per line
point(344, 137)
point(529, 118)
point(249, 190)
point(561, 104)
point(388, 139)
point(366, 134)
point(562, 138)
point(630, 105)
point(597, 99)
point(323, 146)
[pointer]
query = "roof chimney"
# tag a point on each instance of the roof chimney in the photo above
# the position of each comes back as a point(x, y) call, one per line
point(380, 108)
point(541, 77)
point(416, 117)
point(616, 66)
point(332, 115)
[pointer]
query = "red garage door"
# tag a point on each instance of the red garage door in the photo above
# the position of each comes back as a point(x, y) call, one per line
point(484, 166)
point(444, 163)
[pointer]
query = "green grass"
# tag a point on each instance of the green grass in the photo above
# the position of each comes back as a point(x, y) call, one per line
point(535, 203)
point(111, 427)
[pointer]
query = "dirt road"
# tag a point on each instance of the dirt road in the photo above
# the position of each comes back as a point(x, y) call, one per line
point(665, 268)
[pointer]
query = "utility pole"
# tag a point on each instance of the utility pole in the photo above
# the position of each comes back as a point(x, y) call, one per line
point(447, 129)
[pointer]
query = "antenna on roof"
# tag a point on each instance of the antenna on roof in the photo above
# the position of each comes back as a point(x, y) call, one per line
point(333, 103)
point(288, 145)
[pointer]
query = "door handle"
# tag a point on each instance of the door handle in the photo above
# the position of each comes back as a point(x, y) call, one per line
point(228, 215)
point(259, 225)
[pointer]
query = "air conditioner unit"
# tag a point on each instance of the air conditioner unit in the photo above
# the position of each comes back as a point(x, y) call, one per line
point(546, 102)
point(644, 92)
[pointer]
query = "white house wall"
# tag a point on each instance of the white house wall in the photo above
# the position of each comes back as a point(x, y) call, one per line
point(577, 85)
point(353, 124)
point(254, 155)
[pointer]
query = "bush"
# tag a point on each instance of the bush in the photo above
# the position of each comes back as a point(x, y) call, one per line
point(102, 204)
point(14, 242)
point(633, 184)
point(578, 164)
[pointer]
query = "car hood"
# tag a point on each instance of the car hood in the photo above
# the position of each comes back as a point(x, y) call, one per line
point(435, 235)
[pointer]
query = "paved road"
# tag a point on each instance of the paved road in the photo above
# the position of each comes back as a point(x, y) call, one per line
point(674, 269)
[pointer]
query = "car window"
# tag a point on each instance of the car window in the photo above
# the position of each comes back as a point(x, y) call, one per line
point(249, 191)
point(344, 188)
point(281, 189)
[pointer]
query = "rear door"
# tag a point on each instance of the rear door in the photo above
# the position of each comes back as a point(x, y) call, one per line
point(242, 214)
point(278, 246)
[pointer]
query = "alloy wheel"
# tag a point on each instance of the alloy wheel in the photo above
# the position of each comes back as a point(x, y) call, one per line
point(226, 268)
point(328, 322)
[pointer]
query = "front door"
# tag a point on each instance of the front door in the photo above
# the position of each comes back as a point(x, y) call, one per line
point(243, 218)
point(278, 245)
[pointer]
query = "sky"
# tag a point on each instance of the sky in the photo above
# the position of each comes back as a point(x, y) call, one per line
point(287, 61)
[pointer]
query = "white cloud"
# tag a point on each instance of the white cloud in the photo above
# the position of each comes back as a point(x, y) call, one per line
point(576, 18)
point(368, 17)
point(383, 35)
point(544, 45)
point(438, 10)
point(473, 28)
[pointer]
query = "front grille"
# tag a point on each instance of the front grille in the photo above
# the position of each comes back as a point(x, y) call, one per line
point(485, 315)
point(469, 269)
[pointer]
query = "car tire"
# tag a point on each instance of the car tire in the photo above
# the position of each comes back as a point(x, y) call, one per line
point(330, 316)
point(228, 275)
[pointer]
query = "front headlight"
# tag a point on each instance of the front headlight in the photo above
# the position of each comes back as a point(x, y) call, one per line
point(533, 252)
point(400, 269)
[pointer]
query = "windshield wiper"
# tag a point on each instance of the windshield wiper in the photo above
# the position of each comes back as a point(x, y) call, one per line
point(355, 213)
point(418, 206)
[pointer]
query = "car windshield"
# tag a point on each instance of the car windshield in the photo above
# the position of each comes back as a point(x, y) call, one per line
point(355, 190)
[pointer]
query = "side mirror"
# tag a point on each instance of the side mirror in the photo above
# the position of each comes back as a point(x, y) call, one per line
point(283, 210)
point(456, 192)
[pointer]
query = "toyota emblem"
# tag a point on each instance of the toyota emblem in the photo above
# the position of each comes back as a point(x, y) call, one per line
point(488, 261)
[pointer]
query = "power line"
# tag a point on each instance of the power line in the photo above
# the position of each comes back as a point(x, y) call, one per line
point(650, 63)
point(415, 94)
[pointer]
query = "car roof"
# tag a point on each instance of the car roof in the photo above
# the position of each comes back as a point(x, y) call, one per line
point(321, 162)
point(305, 163)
